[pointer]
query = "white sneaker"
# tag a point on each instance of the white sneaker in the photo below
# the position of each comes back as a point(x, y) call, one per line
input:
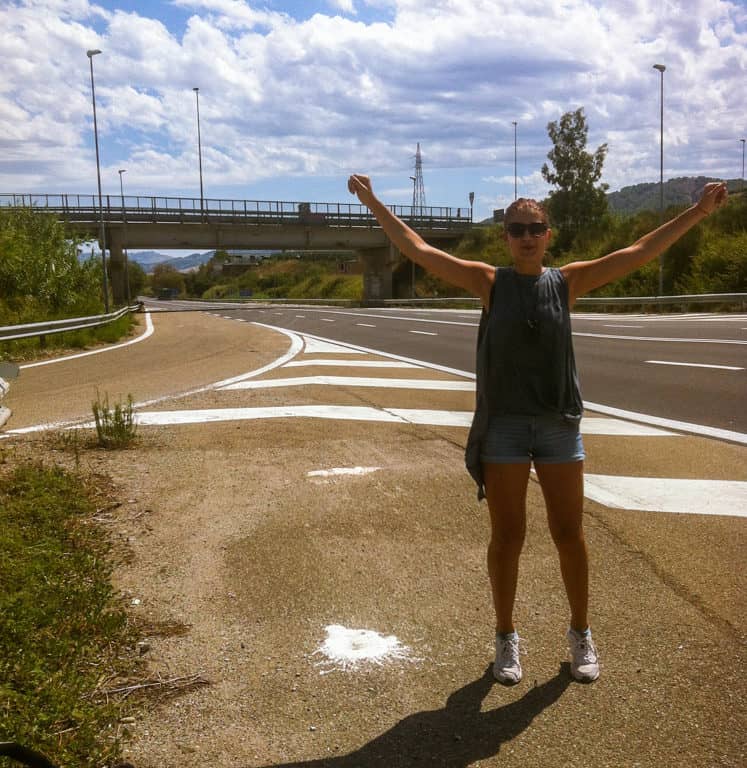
point(584, 659)
point(507, 667)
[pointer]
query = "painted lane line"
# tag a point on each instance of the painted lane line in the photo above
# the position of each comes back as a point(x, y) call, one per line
point(621, 326)
point(653, 494)
point(366, 325)
point(352, 363)
point(316, 346)
point(354, 381)
point(659, 339)
point(414, 416)
point(678, 426)
point(149, 329)
point(214, 415)
point(433, 418)
point(424, 333)
point(301, 316)
point(591, 425)
point(328, 320)
point(695, 365)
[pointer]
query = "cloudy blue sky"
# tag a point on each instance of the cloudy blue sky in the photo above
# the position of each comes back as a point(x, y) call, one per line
point(296, 94)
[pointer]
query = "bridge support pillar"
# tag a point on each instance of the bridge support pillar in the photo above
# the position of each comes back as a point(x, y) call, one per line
point(117, 267)
point(379, 264)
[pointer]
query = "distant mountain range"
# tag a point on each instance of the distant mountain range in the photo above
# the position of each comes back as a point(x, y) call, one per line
point(684, 190)
point(148, 259)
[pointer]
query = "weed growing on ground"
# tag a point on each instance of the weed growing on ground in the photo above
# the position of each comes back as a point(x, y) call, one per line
point(60, 630)
point(115, 427)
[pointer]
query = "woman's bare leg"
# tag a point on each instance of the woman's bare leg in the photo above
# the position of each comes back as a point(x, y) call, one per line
point(506, 491)
point(563, 488)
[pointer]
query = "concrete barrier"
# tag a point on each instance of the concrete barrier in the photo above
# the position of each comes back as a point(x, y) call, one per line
point(8, 371)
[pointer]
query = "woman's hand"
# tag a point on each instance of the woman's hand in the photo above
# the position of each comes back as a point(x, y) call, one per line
point(713, 197)
point(361, 186)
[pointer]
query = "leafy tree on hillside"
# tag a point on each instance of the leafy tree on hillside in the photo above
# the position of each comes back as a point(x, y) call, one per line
point(577, 204)
point(40, 274)
point(165, 276)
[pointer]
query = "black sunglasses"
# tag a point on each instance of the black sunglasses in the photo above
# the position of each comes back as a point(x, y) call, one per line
point(535, 229)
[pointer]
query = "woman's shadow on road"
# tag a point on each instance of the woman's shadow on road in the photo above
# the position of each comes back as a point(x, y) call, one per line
point(452, 737)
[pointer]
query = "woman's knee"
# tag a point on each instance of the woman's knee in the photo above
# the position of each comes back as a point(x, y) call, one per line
point(567, 535)
point(508, 538)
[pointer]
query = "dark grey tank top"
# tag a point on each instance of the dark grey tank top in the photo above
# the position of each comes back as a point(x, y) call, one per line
point(525, 361)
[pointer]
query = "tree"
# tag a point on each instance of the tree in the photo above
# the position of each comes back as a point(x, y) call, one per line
point(40, 274)
point(166, 277)
point(576, 204)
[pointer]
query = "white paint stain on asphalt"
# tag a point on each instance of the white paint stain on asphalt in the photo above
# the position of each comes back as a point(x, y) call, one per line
point(346, 648)
point(653, 494)
point(341, 471)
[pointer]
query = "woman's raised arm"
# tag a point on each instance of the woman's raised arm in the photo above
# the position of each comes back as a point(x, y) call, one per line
point(585, 276)
point(473, 276)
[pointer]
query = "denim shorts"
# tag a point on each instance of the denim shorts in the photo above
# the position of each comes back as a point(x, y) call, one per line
point(546, 439)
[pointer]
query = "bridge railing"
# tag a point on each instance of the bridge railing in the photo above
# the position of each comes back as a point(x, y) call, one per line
point(116, 209)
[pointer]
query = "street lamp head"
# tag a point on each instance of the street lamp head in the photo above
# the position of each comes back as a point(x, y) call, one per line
point(195, 89)
point(122, 170)
point(92, 52)
point(660, 67)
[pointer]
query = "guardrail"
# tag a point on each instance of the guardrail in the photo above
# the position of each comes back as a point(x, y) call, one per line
point(30, 330)
point(139, 209)
point(739, 299)
point(604, 301)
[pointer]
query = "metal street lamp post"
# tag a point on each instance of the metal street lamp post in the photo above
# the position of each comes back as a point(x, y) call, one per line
point(199, 147)
point(742, 177)
point(513, 122)
point(471, 204)
point(661, 68)
point(102, 235)
point(124, 223)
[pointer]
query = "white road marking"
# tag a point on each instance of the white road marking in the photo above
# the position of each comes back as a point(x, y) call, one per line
point(660, 338)
point(337, 471)
point(424, 333)
point(591, 425)
point(621, 326)
point(212, 415)
point(653, 494)
point(352, 363)
point(366, 325)
point(301, 316)
point(315, 346)
point(355, 381)
point(143, 336)
point(327, 320)
point(679, 426)
point(695, 365)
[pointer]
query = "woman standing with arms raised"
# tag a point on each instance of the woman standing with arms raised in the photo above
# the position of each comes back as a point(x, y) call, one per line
point(529, 405)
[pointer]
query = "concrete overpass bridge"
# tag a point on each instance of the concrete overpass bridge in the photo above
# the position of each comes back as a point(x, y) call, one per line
point(178, 222)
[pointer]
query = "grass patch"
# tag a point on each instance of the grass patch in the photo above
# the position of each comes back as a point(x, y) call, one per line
point(115, 427)
point(61, 631)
